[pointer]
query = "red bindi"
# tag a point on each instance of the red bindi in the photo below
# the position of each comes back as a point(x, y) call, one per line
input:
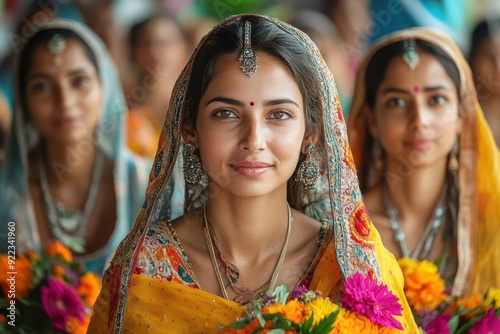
point(251, 103)
point(415, 89)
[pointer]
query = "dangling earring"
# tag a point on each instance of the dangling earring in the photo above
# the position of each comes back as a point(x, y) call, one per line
point(377, 155)
point(308, 171)
point(453, 160)
point(193, 170)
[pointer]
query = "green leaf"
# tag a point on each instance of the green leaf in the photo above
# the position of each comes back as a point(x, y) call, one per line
point(240, 324)
point(453, 323)
point(306, 326)
point(325, 325)
point(465, 327)
point(281, 294)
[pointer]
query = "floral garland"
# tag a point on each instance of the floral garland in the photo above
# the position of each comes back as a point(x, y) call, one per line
point(50, 292)
point(437, 312)
point(366, 307)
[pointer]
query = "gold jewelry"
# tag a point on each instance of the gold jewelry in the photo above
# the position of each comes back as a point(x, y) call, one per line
point(211, 251)
point(192, 168)
point(308, 171)
point(248, 56)
point(453, 160)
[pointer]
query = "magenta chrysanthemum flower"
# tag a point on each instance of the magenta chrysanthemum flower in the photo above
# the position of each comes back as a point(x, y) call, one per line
point(439, 325)
point(367, 297)
point(60, 301)
point(490, 324)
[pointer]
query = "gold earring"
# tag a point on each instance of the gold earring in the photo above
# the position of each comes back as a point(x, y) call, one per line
point(453, 160)
point(193, 170)
point(308, 171)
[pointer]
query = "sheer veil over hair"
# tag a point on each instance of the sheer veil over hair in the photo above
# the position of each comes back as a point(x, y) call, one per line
point(336, 198)
point(478, 172)
point(16, 203)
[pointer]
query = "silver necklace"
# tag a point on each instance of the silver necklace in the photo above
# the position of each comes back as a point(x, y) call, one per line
point(427, 239)
point(67, 225)
point(211, 251)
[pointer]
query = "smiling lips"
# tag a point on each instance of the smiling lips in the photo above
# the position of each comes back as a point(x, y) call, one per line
point(251, 168)
point(65, 122)
point(419, 144)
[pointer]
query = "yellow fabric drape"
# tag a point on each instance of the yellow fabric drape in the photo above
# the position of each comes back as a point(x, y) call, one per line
point(159, 306)
point(478, 226)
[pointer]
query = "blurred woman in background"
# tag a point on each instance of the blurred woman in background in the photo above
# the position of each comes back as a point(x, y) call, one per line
point(422, 148)
point(484, 61)
point(68, 174)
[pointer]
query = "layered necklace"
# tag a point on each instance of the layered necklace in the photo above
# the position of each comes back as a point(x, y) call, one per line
point(67, 225)
point(427, 239)
point(244, 295)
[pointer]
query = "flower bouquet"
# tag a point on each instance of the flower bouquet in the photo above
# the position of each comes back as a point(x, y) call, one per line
point(45, 293)
point(437, 312)
point(366, 307)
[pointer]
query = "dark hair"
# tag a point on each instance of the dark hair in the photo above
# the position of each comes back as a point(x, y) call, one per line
point(136, 29)
point(377, 67)
point(42, 37)
point(483, 30)
point(267, 38)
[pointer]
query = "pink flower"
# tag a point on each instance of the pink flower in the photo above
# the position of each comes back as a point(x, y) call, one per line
point(367, 297)
point(439, 325)
point(60, 302)
point(489, 324)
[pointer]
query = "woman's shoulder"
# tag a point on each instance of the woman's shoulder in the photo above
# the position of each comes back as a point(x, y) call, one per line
point(162, 256)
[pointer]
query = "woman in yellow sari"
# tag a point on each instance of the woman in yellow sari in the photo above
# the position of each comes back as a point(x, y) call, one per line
point(428, 165)
point(252, 157)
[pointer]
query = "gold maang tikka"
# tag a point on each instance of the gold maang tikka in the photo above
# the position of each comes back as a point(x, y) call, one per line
point(56, 46)
point(248, 56)
point(410, 54)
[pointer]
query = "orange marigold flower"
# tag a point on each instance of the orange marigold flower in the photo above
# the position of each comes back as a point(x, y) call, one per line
point(273, 308)
point(56, 248)
point(74, 326)
point(23, 279)
point(88, 288)
point(294, 311)
point(468, 303)
point(33, 256)
point(58, 272)
point(424, 288)
point(351, 322)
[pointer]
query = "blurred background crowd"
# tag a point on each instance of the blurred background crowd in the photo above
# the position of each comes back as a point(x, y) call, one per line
point(150, 42)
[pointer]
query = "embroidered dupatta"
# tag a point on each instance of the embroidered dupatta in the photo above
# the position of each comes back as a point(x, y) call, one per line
point(478, 223)
point(356, 247)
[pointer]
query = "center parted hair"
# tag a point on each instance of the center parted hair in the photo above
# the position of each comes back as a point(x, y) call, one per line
point(43, 37)
point(267, 38)
point(377, 67)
